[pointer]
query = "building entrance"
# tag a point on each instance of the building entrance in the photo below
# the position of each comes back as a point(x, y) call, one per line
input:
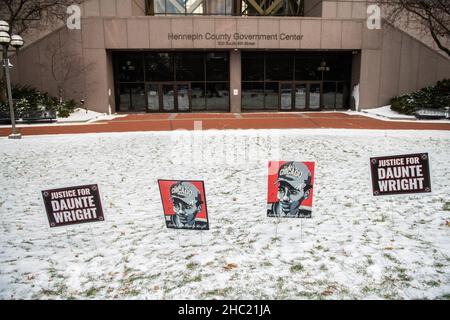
point(168, 97)
point(300, 96)
point(295, 81)
point(171, 81)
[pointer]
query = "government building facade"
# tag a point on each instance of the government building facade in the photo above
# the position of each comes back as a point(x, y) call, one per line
point(166, 56)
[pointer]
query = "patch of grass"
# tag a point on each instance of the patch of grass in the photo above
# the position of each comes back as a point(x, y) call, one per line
point(445, 296)
point(433, 283)
point(390, 257)
point(267, 263)
point(323, 267)
point(191, 265)
point(369, 261)
point(224, 292)
point(91, 292)
point(190, 256)
point(297, 267)
point(446, 206)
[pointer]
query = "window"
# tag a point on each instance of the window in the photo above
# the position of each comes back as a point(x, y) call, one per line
point(279, 66)
point(272, 8)
point(252, 66)
point(172, 81)
point(129, 67)
point(329, 95)
point(159, 67)
point(217, 96)
point(190, 66)
point(217, 66)
point(252, 95)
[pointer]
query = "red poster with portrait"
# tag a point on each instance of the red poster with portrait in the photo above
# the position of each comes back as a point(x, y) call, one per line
point(290, 189)
point(184, 204)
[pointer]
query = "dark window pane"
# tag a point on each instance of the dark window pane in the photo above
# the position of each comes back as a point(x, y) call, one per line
point(252, 66)
point(306, 65)
point(279, 66)
point(271, 96)
point(343, 95)
point(340, 66)
point(329, 89)
point(217, 66)
point(190, 66)
point(252, 96)
point(129, 67)
point(198, 96)
point(159, 67)
point(217, 96)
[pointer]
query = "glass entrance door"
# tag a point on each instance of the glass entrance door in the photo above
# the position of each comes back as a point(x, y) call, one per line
point(315, 95)
point(168, 97)
point(183, 97)
point(300, 96)
point(153, 103)
point(286, 100)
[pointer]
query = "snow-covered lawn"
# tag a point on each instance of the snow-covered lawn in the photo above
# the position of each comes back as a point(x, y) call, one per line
point(356, 246)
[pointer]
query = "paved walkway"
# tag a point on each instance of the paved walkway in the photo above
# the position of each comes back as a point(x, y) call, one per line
point(167, 122)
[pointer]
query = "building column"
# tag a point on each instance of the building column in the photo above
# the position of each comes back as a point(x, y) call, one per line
point(235, 81)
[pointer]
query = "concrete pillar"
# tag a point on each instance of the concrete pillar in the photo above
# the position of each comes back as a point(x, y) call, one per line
point(235, 81)
point(356, 75)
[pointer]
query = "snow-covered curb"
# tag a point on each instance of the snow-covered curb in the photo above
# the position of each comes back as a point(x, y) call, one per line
point(385, 113)
point(79, 116)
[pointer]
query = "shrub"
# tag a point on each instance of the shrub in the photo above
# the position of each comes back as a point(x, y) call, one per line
point(30, 100)
point(432, 97)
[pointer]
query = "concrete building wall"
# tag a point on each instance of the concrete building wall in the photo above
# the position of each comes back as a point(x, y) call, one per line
point(395, 63)
point(391, 61)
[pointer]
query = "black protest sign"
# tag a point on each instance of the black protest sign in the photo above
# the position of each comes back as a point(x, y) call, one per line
point(401, 174)
point(73, 205)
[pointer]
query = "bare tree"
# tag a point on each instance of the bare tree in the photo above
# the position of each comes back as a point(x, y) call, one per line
point(64, 63)
point(27, 15)
point(432, 15)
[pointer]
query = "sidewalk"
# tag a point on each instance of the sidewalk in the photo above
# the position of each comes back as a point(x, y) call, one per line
point(168, 122)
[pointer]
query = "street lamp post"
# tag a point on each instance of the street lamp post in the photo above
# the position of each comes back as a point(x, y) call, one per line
point(17, 42)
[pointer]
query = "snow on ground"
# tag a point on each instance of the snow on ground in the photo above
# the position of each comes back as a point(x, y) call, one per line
point(356, 246)
point(79, 116)
point(386, 114)
point(386, 111)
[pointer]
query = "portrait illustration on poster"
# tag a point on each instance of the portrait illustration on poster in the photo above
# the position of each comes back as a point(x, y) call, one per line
point(290, 189)
point(184, 204)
